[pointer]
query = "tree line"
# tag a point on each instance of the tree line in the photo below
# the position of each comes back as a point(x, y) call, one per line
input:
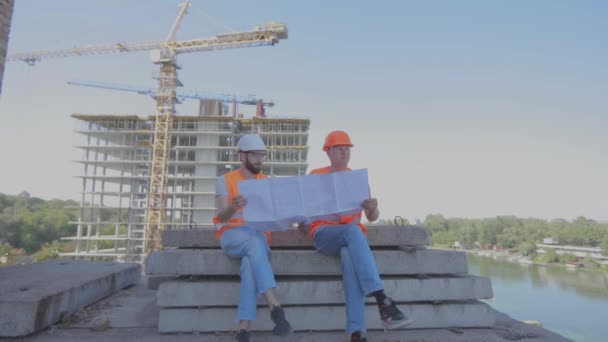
point(29, 225)
point(513, 232)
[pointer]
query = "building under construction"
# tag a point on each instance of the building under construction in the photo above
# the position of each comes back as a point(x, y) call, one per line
point(116, 163)
point(6, 12)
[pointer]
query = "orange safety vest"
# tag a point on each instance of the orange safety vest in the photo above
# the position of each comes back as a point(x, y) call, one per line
point(232, 180)
point(343, 219)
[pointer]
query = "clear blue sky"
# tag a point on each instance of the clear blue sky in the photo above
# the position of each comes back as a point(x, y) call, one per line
point(465, 108)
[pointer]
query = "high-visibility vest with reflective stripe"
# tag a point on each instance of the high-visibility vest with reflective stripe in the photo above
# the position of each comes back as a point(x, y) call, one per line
point(345, 219)
point(232, 180)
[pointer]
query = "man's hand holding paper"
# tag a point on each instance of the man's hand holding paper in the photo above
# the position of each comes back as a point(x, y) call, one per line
point(279, 203)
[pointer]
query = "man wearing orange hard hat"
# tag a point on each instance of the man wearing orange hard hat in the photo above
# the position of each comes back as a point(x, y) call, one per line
point(346, 237)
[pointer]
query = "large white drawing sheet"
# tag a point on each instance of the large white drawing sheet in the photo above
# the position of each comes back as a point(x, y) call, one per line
point(279, 203)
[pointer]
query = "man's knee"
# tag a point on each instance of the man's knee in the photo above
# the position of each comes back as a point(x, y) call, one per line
point(353, 230)
point(256, 245)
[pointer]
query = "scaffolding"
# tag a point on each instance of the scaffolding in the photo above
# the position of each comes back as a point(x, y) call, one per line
point(117, 159)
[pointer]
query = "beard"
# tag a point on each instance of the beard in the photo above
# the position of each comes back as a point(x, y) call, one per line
point(252, 168)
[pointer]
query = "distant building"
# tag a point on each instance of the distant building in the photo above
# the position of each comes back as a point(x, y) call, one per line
point(579, 251)
point(550, 241)
point(24, 194)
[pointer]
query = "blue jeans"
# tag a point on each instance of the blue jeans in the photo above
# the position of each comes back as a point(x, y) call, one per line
point(256, 273)
point(359, 272)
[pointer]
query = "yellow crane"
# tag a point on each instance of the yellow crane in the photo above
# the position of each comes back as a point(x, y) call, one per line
point(164, 54)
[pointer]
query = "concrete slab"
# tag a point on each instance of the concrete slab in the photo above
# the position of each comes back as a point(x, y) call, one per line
point(186, 293)
point(143, 327)
point(214, 262)
point(34, 296)
point(320, 318)
point(130, 308)
point(378, 236)
point(155, 281)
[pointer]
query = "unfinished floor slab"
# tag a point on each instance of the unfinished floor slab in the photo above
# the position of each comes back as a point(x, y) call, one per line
point(37, 295)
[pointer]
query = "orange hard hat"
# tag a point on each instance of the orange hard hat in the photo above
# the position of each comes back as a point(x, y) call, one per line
point(337, 138)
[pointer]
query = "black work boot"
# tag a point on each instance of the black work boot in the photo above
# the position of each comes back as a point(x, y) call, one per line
point(281, 326)
point(243, 336)
point(357, 337)
point(391, 316)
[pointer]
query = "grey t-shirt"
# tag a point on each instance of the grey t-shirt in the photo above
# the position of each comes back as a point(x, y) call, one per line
point(220, 186)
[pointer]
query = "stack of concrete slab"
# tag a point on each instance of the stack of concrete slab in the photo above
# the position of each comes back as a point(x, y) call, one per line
point(198, 285)
point(35, 296)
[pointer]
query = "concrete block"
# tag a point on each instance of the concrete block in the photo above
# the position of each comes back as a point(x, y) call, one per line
point(303, 262)
point(306, 318)
point(154, 282)
point(378, 236)
point(207, 293)
point(35, 296)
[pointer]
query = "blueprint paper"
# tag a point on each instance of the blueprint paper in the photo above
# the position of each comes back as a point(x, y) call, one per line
point(279, 203)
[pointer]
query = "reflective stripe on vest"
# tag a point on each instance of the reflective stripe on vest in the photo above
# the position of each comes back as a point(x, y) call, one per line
point(347, 219)
point(232, 180)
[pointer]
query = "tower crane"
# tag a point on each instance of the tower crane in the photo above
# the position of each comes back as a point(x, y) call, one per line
point(184, 94)
point(165, 55)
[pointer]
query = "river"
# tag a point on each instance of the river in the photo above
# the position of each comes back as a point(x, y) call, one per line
point(572, 303)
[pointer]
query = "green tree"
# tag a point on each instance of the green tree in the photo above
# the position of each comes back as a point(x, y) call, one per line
point(487, 232)
point(590, 262)
point(527, 248)
point(567, 258)
point(443, 238)
point(509, 239)
point(435, 223)
point(550, 255)
point(29, 223)
point(52, 250)
point(10, 255)
point(48, 251)
point(467, 236)
point(604, 245)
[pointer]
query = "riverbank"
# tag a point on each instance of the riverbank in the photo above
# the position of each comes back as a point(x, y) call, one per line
point(523, 260)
